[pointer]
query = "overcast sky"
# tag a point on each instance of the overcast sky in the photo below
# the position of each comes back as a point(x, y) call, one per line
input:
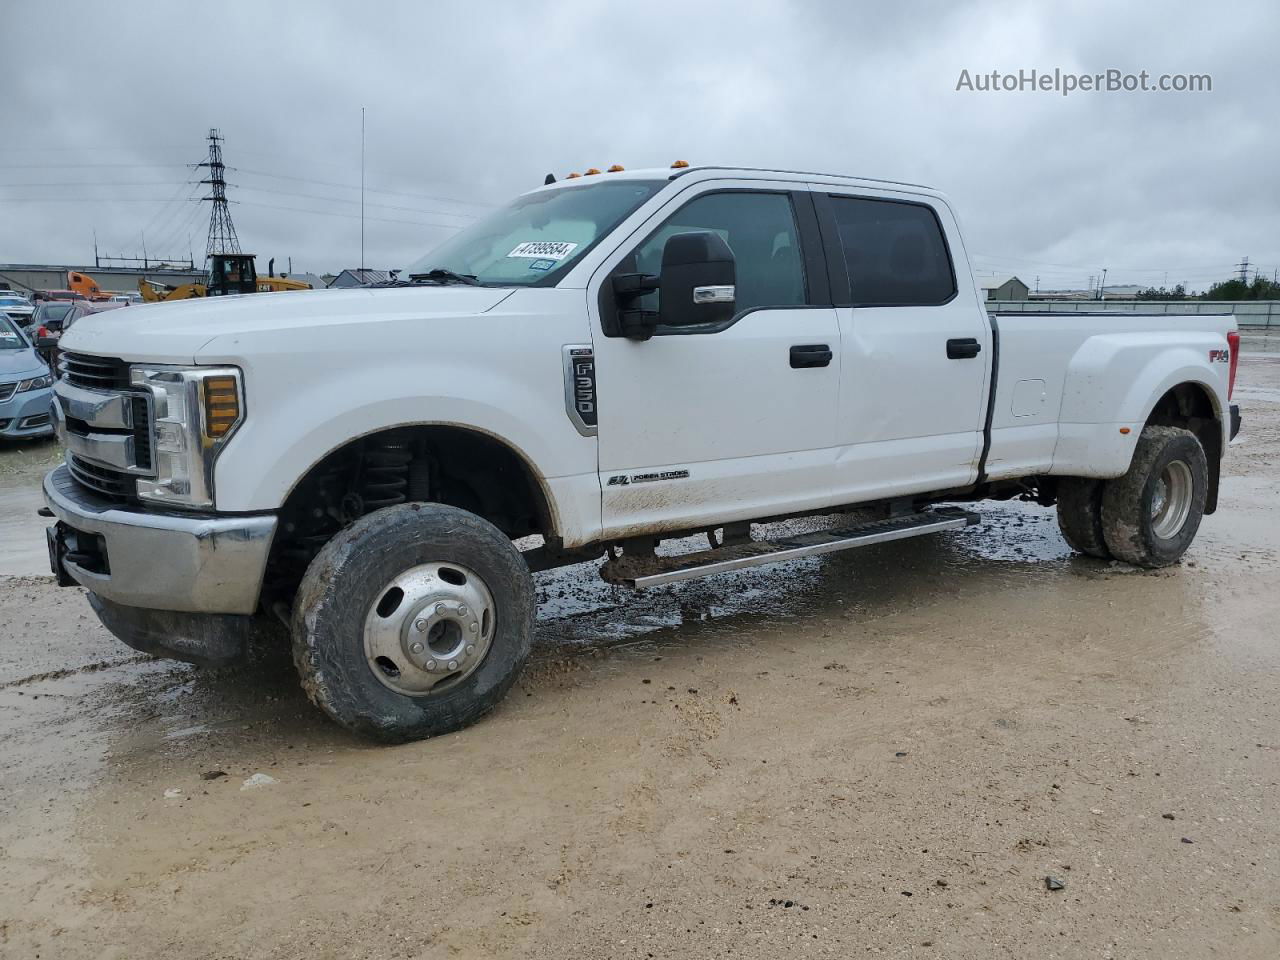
point(102, 105)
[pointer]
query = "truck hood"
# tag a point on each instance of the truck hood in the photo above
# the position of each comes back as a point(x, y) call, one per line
point(175, 332)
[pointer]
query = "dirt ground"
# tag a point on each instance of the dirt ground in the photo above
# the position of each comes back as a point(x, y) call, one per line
point(880, 753)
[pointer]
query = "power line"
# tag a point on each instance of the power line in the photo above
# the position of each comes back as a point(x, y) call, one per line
point(83, 200)
point(90, 148)
point(350, 216)
point(177, 227)
point(349, 186)
point(99, 183)
point(88, 166)
point(174, 205)
point(383, 206)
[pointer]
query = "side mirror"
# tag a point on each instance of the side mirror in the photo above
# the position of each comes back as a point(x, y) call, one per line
point(697, 282)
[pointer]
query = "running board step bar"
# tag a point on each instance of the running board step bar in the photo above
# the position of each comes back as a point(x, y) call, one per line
point(655, 571)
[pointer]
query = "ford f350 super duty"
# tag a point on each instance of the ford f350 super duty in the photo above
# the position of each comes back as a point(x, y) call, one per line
point(606, 362)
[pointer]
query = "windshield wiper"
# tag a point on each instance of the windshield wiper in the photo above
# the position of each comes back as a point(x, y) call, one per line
point(441, 275)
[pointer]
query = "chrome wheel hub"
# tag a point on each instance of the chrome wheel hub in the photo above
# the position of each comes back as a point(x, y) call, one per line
point(1171, 500)
point(429, 628)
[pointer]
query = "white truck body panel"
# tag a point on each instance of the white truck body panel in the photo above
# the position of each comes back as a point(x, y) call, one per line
point(892, 416)
point(486, 359)
point(1065, 389)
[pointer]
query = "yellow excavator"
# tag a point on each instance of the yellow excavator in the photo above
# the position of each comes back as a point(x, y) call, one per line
point(229, 273)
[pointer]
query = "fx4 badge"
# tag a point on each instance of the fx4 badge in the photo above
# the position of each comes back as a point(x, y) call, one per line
point(1219, 356)
point(623, 480)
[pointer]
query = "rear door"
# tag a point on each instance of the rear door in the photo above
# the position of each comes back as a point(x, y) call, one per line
point(708, 424)
point(916, 345)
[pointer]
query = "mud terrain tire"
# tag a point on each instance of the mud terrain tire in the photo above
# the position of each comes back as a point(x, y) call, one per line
point(1168, 465)
point(1080, 516)
point(349, 579)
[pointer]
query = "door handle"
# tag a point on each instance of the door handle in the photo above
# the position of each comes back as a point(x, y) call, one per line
point(964, 348)
point(810, 355)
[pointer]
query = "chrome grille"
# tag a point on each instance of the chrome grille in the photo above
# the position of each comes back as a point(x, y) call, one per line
point(94, 373)
point(110, 483)
point(108, 375)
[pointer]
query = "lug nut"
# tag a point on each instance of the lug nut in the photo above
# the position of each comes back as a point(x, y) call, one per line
point(472, 626)
point(453, 664)
point(462, 610)
point(431, 664)
point(471, 648)
point(439, 608)
point(416, 647)
point(420, 625)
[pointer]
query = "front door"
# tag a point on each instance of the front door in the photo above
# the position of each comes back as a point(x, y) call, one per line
point(700, 426)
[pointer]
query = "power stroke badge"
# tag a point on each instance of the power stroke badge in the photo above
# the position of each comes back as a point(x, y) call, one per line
point(624, 480)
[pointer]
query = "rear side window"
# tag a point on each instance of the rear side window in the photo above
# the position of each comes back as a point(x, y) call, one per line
point(895, 252)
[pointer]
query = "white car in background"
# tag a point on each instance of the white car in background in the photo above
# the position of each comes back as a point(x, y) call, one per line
point(17, 306)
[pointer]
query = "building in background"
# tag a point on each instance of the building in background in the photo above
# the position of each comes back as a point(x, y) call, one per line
point(1004, 288)
point(1061, 295)
point(356, 277)
point(1123, 291)
point(317, 283)
point(30, 277)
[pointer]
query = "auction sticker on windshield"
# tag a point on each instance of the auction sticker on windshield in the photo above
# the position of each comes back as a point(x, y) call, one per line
point(543, 250)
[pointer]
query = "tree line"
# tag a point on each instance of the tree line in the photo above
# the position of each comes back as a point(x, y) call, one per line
point(1260, 288)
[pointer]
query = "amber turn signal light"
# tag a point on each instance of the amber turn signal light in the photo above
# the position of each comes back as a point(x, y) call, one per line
point(221, 406)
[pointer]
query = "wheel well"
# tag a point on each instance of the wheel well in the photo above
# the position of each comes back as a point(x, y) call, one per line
point(1191, 406)
point(440, 464)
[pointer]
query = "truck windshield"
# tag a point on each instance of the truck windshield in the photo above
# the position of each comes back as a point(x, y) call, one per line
point(537, 237)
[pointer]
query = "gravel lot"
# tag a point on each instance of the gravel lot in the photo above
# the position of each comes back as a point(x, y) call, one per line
point(879, 753)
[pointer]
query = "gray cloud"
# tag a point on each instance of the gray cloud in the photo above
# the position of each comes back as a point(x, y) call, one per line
point(470, 103)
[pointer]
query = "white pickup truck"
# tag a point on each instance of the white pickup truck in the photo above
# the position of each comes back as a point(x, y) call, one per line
point(606, 362)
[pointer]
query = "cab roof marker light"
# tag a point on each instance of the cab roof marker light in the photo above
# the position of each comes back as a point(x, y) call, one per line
point(616, 168)
point(573, 176)
point(679, 164)
point(592, 171)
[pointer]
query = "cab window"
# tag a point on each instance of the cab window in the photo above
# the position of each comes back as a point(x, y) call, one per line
point(895, 252)
point(760, 229)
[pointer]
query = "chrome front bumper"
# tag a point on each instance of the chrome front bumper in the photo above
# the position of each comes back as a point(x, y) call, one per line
point(161, 561)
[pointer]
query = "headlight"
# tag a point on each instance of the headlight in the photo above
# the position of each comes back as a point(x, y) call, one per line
point(35, 383)
point(194, 412)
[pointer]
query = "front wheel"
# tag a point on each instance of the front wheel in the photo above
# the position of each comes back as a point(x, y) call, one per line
point(413, 622)
point(1151, 514)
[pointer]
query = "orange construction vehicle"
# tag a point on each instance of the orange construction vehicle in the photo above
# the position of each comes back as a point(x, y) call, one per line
point(229, 273)
point(84, 284)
